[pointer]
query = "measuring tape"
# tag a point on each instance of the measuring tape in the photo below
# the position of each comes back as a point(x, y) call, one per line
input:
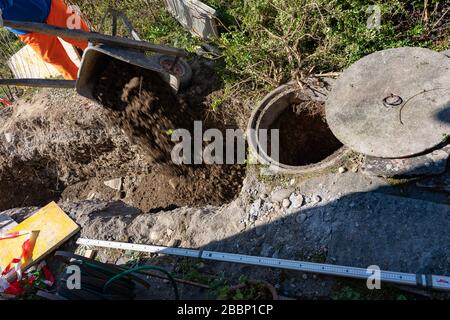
point(421, 280)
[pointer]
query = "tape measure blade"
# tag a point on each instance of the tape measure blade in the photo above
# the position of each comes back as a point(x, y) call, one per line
point(139, 247)
point(326, 269)
point(440, 282)
point(437, 282)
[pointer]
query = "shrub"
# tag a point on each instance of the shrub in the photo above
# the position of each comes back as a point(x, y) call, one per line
point(269, 41)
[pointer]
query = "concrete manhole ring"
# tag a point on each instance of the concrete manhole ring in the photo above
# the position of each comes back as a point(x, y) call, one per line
point(267, 113)
point(393, 103)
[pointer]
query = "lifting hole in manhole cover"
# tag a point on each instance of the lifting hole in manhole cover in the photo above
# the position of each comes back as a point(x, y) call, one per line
point(392, 101)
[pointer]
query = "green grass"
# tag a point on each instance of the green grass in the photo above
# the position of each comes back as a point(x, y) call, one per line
point(268, 42)
point(149, 17)
point(166, 30)
point(9, 44)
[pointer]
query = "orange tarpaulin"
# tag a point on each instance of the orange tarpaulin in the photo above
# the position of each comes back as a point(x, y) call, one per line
point(49, 48)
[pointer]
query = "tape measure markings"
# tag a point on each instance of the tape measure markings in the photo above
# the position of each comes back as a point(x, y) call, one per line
point(421, 280)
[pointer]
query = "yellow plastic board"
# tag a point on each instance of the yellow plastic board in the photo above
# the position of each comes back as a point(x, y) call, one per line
point(51, 226)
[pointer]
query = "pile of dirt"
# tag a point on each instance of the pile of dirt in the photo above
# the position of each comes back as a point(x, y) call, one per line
point(29, 183)
point(305, 137)
point(55, 144)
point(162, 190)
point(51, 139)
point(144, 106)
point(147, 110)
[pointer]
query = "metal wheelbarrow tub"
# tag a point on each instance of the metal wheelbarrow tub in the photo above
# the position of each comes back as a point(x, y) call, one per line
point(96, 58)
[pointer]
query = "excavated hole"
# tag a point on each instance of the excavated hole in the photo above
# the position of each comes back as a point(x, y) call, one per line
point(79, 171)
point(305, 137)
point(30, 183)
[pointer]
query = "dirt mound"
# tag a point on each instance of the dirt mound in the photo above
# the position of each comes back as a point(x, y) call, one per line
point(29, 183)
point(51, 139)
point(161, 190)
point(146, 108)
point(54, 143)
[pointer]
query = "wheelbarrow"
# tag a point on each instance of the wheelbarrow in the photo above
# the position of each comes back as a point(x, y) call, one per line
point(167, 62)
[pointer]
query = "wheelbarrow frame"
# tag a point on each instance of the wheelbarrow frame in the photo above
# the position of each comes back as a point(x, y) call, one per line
point(109, 45)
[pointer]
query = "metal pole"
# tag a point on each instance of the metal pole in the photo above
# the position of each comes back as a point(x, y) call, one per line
point(39, 83)
point(428, 281)
point(93, 37)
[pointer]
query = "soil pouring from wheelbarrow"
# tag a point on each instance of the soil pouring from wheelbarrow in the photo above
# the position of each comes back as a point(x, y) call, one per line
point(174, 71)
point(167, 63)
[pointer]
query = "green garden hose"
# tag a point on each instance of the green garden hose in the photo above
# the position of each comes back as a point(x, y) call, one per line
point(122, 274)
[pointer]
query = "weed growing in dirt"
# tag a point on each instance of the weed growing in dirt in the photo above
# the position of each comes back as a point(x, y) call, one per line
point(216, 103)
point(268, 41)
point(189, 270)
point(246, 290)
point(166, 30)
point(265, 43)
point(356, 293)
point(9, 45)
point(149, 17)
point(347, 293)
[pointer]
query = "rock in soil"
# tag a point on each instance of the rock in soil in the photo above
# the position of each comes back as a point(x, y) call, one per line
point(286, 203)
point(255, 209)
point(115, 184)
point(301, 218)
point(280, 194)
point(316, 199)
point(296, 200)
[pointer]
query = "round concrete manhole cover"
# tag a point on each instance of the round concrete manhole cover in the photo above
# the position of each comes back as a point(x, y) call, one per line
point(393, 103)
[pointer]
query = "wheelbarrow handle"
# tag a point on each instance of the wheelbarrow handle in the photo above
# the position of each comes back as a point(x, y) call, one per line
point(93, 37)
point(39, 83)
